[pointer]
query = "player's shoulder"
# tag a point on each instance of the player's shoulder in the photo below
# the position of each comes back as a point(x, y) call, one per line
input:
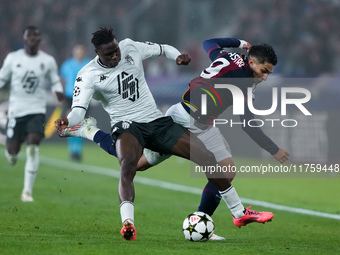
point(129, 44)
point(89, 68)
point(16, 54)
point(46, 57)
point(45, 54)
point(126, 42)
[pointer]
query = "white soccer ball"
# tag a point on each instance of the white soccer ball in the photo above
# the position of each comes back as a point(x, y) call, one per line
point(198, 227)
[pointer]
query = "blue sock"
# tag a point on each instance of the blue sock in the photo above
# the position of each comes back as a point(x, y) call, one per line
point(104, 140)
point(210, 199)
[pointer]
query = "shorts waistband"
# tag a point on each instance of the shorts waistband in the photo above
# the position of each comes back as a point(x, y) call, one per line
point(187, 108)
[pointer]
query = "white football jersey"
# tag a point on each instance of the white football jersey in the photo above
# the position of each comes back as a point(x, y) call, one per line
point(122, 90)
point(28, 76)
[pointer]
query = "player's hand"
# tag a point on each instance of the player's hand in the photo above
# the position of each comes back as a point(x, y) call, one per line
point(282, 155)
point(245, 45)
point(183, 59)
point(61, 125)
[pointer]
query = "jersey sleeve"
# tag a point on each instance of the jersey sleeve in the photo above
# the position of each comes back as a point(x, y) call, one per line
point(5, 71)
point(54, 77)
point(83, 90)
point(146, 49)
point(150, 49)
point(214, 46)
point(256, 133)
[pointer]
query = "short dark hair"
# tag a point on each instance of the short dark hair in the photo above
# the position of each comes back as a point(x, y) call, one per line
point(263, 53)
point(30, 27)
point(103, 36)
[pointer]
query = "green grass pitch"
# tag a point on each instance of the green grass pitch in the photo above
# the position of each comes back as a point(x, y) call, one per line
point(77, 212)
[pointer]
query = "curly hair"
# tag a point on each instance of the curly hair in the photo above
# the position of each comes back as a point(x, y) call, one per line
point(103, 36)
point(30, 27)
point(263, 53)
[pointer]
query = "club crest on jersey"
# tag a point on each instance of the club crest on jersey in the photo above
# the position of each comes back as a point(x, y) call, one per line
point(42, 66)
point(76, 91)
point(126, 124)
point(79, 79)
point(129, 59)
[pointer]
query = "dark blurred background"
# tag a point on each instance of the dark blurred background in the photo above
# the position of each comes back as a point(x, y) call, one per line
point(305, 33)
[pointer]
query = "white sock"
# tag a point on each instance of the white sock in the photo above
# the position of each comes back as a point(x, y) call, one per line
point(11, 158)
point(233, 201)
point(127, 211)
point(31, 167)
point(91, 132)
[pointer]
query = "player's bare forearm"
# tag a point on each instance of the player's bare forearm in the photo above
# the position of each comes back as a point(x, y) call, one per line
point(282, 155)
point(183, 59)
point(60, 97)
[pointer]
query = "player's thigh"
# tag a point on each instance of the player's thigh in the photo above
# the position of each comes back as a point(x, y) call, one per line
point(35, 128)
point(151, 158)
point(129, 150)
point(192, 148)
point(15, 134)
point(164, 135)
point(13, 147)
point(33, 138)
point(215, 142)
point(179, 115)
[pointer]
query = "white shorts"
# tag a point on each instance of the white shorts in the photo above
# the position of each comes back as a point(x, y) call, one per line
point(209, 135)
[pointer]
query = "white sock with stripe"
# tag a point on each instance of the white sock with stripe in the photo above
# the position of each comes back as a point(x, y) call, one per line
point(233, 201)
point(31, 167)
point(127, 212)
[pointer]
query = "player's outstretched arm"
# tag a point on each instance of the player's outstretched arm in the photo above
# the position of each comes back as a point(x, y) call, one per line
point(282, 155)
point(60, 97)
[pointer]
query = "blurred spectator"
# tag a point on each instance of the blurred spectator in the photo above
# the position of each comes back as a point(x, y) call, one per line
point(68, 73)
point(305, 33)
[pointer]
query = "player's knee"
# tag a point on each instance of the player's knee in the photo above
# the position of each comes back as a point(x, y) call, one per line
point(128, 168)
point(32, 150)
point(209, 157)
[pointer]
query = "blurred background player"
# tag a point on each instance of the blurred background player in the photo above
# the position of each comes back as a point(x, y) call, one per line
point(28, 70)
point(68, 74)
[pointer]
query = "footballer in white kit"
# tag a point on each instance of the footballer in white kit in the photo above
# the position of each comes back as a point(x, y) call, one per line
point(125, 95)
point(109, 53)
point(28, 70)
point(122, 90)
point(116, 78)
point(29, 76)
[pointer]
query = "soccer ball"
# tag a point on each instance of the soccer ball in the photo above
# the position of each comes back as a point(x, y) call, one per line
point(198, 227)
